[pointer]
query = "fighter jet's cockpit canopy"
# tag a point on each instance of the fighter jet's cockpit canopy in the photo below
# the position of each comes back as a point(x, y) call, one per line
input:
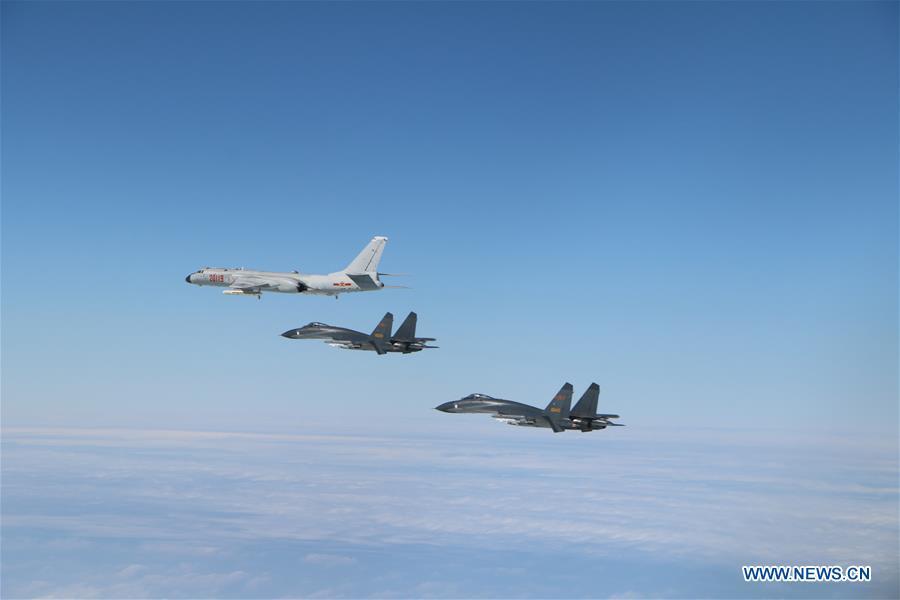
point(478, 397)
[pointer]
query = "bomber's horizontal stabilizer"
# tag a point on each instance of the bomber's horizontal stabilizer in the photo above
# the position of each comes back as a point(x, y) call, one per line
point(365, 281)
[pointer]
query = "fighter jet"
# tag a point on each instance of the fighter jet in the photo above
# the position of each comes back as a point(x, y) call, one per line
point(380, 340)
point(557, 416)
point(361, 275)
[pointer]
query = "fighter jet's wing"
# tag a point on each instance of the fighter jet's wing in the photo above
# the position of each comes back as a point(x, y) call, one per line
point(530, 420)
point(248, 283)
point(553, 424)
point(352, 345)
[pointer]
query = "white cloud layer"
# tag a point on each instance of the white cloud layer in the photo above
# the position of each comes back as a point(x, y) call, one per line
point(198, 513)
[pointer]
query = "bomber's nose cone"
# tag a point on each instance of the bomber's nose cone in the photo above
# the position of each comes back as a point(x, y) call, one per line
point(188, 278)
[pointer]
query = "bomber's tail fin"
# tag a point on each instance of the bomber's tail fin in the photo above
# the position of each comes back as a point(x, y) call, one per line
point(407, 330)
point(587, 406)
point(367, 260)
point(558, 409)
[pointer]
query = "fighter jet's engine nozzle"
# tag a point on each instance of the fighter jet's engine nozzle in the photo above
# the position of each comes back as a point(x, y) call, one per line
point(591, 424)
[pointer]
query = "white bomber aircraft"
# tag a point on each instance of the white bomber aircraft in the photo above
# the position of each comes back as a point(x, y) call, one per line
point(361, 275)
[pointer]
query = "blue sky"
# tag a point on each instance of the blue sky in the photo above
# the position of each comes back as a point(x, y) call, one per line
point(693, 204)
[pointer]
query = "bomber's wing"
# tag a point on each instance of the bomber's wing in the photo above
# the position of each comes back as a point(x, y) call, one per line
point(251, 284)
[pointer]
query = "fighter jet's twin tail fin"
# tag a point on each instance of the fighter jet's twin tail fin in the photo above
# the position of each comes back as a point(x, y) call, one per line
point(381, 335)
point(587, 406)
point(407, 330)
point(558, 409)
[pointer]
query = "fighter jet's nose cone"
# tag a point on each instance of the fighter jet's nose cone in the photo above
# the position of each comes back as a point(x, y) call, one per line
point(445, 407)
point(290, 334)
point(188, 278)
